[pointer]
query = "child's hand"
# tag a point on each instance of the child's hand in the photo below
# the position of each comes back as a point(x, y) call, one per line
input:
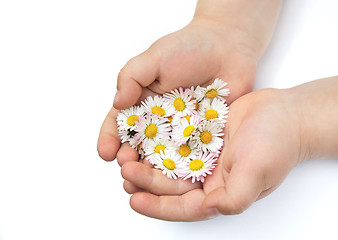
point(193, 56)
point(225, 40)
point(267, 134)
point(262, 144)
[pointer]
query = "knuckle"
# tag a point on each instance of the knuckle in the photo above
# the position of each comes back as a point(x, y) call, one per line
point(126, 172)
point(236, 208)
point(123, 74)
point(233, 207)
point(125, 71)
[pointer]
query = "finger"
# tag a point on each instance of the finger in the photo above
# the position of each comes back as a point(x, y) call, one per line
point(186, 207)
point(238, 89)
point(109, 140)
point(239, 82)
point(131, 188)
point(138, 73)
point(153, 180)
point(146, 92)
point(242, 187)
point(126, 153)
point(146, 162)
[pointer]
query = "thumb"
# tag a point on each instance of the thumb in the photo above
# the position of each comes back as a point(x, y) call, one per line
point(242, 187)
point(139, 72)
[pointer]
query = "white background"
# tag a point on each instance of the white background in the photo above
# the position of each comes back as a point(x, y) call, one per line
point(58, 66)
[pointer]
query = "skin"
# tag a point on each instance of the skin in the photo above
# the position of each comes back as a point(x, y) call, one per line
point(254, 161)
point(266, 136)
point(225, 39)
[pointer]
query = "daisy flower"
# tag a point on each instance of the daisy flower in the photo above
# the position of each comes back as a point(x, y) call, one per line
point(140, 152)
point(158, 105)
point(181, 132)
point(185, 130)
point(197, 168)
point(150, 128)
point(214, 110)
point(126, 118)
point(177, 119)
point(156, 146)
point(187, 150)
point(192, 92)
point(127, 135)
point(208, 137)
point(168, 162)
point(133, 141)
point(181, 101)
point(214, 90)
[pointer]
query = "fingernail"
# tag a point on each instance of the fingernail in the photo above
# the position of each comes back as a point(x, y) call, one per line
point(212, 213)
point(116, 98)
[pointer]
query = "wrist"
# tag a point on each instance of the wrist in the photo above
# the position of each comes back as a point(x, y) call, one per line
point(316, 114)
point(251, 22)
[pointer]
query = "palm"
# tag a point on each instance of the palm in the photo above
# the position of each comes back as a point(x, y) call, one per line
point(256, 157)
point(254, 161)
point(195, 55)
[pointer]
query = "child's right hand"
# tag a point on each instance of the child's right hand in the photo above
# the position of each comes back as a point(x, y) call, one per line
point(261, 145)
point(267, 134)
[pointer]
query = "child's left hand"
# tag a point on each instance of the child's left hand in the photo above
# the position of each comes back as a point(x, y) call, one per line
point(194, 55)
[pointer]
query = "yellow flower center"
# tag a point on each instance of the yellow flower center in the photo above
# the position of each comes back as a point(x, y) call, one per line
point(169, 164)
point(132, 119)
point(196, 164)
point(158, 110)
point(197, 105)
point(159, 148)
point(179, 104)
point(188, 130)
point(188, 118)
point(212, 93)
point(151, 130)
point(170, 119)
point(206, 137)
point(184, 150)
point(211, 114)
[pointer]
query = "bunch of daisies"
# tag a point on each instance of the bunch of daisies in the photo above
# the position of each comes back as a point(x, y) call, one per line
point(179, 132)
